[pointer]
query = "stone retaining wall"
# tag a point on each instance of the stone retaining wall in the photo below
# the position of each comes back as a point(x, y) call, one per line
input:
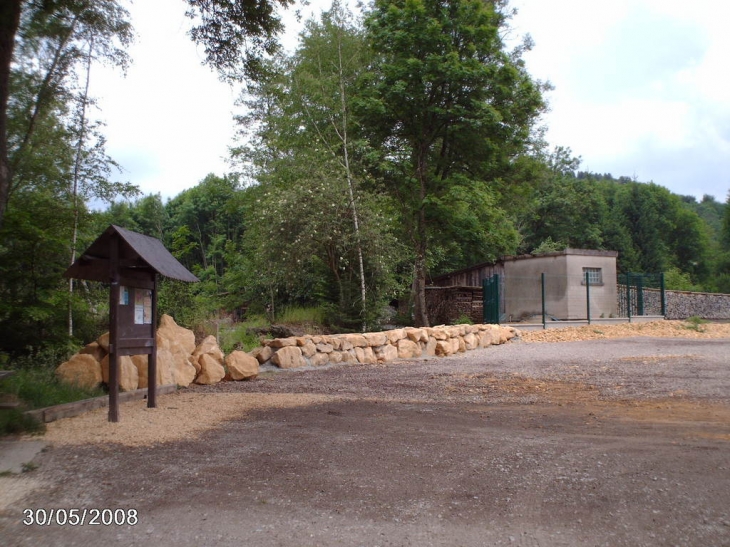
point(374, 347)
point(683, 304)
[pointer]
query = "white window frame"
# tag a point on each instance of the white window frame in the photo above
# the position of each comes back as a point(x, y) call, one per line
point(595, 277)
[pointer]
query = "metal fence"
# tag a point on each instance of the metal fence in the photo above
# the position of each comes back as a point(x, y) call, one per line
point(544, 298)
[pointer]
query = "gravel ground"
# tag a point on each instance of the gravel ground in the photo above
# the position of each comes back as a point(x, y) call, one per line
point(614, 441)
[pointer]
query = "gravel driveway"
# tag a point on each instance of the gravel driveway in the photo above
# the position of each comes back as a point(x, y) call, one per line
point(620, 442)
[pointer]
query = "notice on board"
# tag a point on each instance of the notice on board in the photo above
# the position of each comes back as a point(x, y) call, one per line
point(142, 307)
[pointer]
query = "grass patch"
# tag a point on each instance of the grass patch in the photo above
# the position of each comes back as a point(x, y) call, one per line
point(14, 422)
point(39, 388)
point(302, 316)
point(695, 323)
point(463, 320)
point(237, 337)
point(36, 388)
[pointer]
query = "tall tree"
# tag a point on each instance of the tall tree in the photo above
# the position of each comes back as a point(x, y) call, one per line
point(237, 35)
point(9, 22)
point(449, 107)
point(48, 44)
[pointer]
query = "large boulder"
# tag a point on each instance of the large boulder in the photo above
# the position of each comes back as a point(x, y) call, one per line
point(176, 335)
point(82, 370)
point(183, 371)
point(289, 357)
point(386, 352)
point(262, 353)
point(211, 371)
point(209, 346)
point(128, 375)
point(320, 359)
point(164, 371)
point(408, 349)
point(242, 366)
point(376, 338)
point(365, 356)
point(95, 350)
point(103, 342)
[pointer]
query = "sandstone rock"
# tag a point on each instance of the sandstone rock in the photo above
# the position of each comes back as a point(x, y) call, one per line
point(95, 350)
point(165, 367)
point(416, 335)
point(348, 357)
point(408, 349)
point(183, 371)
point(356, 340)
point(443, 348)
point(210, 347)
point(277, 343)
point(211, 371)
point(242, 366)
point(82, 370)
point(375, 339)
point(430, 348)
point(176, 334)
point(440, 334)
point(365, 356)
point(103, 342)
point(345, 344)
point(309, 349)
point(262, 354)
point(288, 357)
point(459, 343)
point(335, 357)
point(395, 335)
point(320, 359)
point(128, 376)
point(471, 341)
point(324, 348)
point(386, 352)
point(164, 372)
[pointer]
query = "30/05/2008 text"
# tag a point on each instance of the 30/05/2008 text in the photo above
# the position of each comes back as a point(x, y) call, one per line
point(80, 517)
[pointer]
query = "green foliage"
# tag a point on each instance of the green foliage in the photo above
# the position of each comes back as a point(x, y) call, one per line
point(236, 36)
point(695, 323)
point(238, 337)
point(38, 387)
point(463, 320)
point(293, 315)
point(548, 246)
point(676, 280)
point(448, 109)
point(14, 422)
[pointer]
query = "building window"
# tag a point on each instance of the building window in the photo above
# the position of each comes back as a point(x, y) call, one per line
point(595, 276)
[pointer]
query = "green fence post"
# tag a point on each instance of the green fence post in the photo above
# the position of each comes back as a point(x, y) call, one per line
point(588, 298)
point(542, 285)
point(628, 295)
point(662, 295)
point(497, 299)
point(640, 295)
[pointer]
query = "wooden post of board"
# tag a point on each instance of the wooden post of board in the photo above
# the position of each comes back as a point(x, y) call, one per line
point(152, 357)
point(114, 331)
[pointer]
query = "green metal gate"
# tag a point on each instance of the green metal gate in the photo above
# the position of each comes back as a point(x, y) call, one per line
point(641, 294)
point(491, 300)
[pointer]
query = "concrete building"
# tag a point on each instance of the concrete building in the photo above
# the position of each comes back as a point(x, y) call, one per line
point(566, 290)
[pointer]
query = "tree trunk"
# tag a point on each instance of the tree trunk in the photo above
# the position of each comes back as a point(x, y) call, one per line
point(9, 22)
point(76, 176)
point(419, 275)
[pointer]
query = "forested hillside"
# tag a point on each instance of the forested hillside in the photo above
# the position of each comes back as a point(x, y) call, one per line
point(383, 151)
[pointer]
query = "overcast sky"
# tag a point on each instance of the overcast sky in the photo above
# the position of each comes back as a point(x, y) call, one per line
point(641, 89)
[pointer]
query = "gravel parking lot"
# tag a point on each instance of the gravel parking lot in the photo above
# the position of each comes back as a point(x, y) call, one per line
point(600, 442)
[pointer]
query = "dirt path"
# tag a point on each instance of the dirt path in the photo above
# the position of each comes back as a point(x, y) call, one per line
point(601, 442)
